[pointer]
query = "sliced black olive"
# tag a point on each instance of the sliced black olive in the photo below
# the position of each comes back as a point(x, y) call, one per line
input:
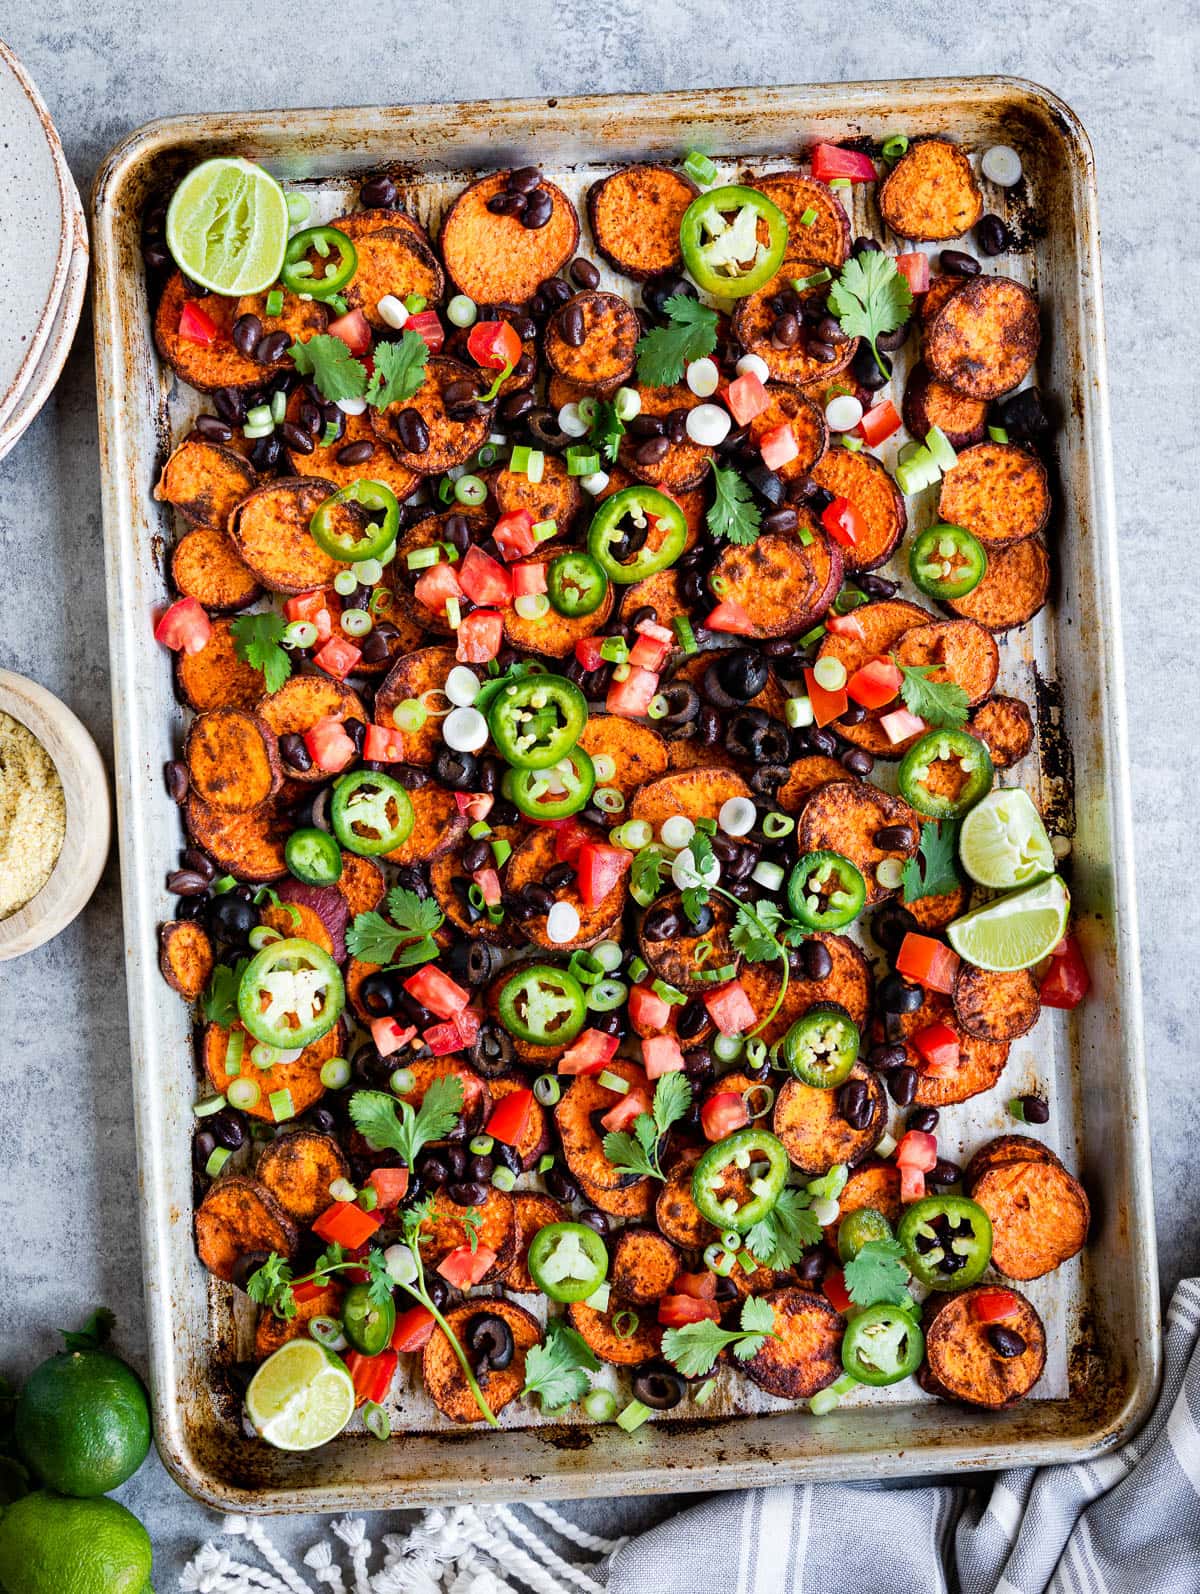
point(743, 674)
point(489, 1342)
point(659, 1386)
point(683, 705)
point(491, 1052)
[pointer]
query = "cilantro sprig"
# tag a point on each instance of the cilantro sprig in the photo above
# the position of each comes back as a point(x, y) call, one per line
point(607, 430)
point(780, 1238)
point(220, 1000)
point(399, 368)
point(256, 641)
point(733, 513)
point(404, 943)
point(391, 1125)
point(639, 1152)
point(694, 1348)
point(936, 873)
point(332, 367)
point(941, 704)
point(871, 297)
point(557, 1371)
point(690, 334)
point(877, 1275)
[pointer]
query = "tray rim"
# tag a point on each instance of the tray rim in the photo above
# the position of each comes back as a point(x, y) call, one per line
point(856, 99)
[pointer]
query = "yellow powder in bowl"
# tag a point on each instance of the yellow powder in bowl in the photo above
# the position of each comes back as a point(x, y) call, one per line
point(33, 815)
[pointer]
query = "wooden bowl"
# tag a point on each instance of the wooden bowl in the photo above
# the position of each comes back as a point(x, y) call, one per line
point(89, 819)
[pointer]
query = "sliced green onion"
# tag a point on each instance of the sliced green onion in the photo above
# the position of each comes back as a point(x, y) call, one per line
point(848, 440)
point(481, 1145)
point(532, 605)
point(802, 284)
point(830, 673)
point(335, 1074)
point(917, 472)
point(635, 834)
point(826, 1399)
point(462, 311)
point(614, 650)
point(727, 1048)
point(253, 433)
point(208, 1105)
point(622, 672)
point(445, 491)
point(941, 448)
point(480, 830)
point(599, 1298)
point(719, 1261)
point(331, 434)
point(501, 851)
point(588, 409)
point(809, 216)
point(503, 1178)
point(612, 1081)
point(776, 826)
point(414, 303)
point(768, 874)
point(274, 304)
point(768, 1092)
point(260, 415)
point(403, 1080)
point(705, 1393)
point(547, 1090)
point(356, 622)
point(684, 634)
point(731, 1240)
point(234, 1050)
point(600, 1405)
point(606, 995)
point(545, 1162)
point(217, 1160)
point(410, 715)
point(281, 1105)
point(625, 1325)
point(894, 147)
point(581, 460)
point(608, 799)
point(344, 583)
point(299, 208)
point(627, 402)
point(278, 407)
point(368, 1198)
point(798, 712)
point(997, 434)
point(669, 993)
point(658, 708)
point(638, 970)
point(263, 1056)
point(719, 976)
point(369, 572)
point(839, 184)
point(376, 1421)
point(633, 1416)
point(342, 1190)
point(585, 968)
point(700, 169)
point(608, 955)
point(849, 599)
point(244, 1093)
point(470, 490)
point(543, 530)
point(890, 873)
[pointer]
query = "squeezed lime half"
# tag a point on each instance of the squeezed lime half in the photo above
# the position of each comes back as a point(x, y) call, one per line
point(1014, 931)
point(227, 226)
point(301, 1397)
point(1003, 842)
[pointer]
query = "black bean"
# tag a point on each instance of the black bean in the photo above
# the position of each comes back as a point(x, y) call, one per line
point(811, 1268)
point(854, 1103)
point(506, 204)
point(829, 330)
point(677, 426)
point(571, 325)
point(466, 1193)
point(886, 1059)
point(854, 714)
point(204, 1143)
point(652, 451)
point(865, 246)
point(944, 1173)
point(647, 426)
point(378, 193)
point(479, 1168)
point(537, 899)
point(786, 330)
point(957, 264)
point(902, 1084)
point(561, 1186)
point(876, 586)
point(477, 855)
point(611, 1023)
point(516, 406)
point(780, 520)
point(247, 334)
point(661, 923)
point(294, 751)
point(555, 291)
point(896, 995)
point(191, 907)
point(889, 342)
point(272, 348)
point(434, 1172)
point(825, 353)
point(200, 862)
point(297, 439)
point(213, 430)
point(822, 741)
point(1036, 1110)
point(461, 391)
point(693, 588)
point(992, 235)
point(1023, 415)
point(560, 875)
point(816, 960)
point(266, 454)
point(457, 531)
point(186, 883)
point(355, 453)
point(412, 431)
point(895, 838)
point(538, 211)
point(585, 273)
point(858, 761)
point(691, 1020)
point(176, 774)
point(1005, 1342)
point(595, 1220)
point(156, 255)
point(924, 1119)
point(523, 180)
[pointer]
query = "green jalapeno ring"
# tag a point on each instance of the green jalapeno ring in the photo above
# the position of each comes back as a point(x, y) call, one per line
point(576, 584)
point(704, 253)
point(367, 1324)
point(934, 562)
point(567, 1261)
point(322, 988)
point(605, 530)
point(299, 276)
point(377, 536)
point(822, 1045)
point(960, 1214)
point(530, 787)
point(313, 856)
point(882, 1345)
point(537, 720)
point(973, 759)
point(740, 1149)
point(543, 1005)
point(859, 1228)
point(361, 813)
point(826, 877)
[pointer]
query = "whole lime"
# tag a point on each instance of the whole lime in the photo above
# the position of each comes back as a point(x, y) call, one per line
point(83, 1422)
point(52, 1545)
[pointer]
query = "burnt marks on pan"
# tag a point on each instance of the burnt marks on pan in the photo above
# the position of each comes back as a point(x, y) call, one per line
point(1055, 757)
point(573, 1438)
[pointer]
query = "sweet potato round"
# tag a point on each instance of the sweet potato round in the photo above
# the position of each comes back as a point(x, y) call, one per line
point(806, 1355)
point(984, 339)
point(931, 192)
point(443, 1376)
point(635, 214)
point(233, 760)
point(962, 1362)
point(495, 259)
point(1014, 588)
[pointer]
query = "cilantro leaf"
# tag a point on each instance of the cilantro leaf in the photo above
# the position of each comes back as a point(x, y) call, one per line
point(690, 334)
point(400, 945)
point(941, 704)
point(938, 852)
point(607, 430)
point(256, 639)
point(271, 1285)
point(380, 1283)
point(94, 1333)
point(751, 937)
point(470, 1220)
point(695, 1347)
point(220, 1000)
point(870, 297)
point(672, 1098)
point(639, 1152)
point(878, 1275)
point(394, 1125)
point(781, 1238)
point(733, 513)
point(623, 1151)
point(695, 900)
point(558, 1369)
point(399, 370)
point(421, 915)
point(646, 878)
point(332, 367)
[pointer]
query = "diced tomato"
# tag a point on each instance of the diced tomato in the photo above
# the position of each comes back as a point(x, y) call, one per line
point(845, 625)
point(730, 1009)
point(722, 1114)
point(329, 744)
point(1066, 982)
point(917, 1150)
point(493, 344)
point(184, 627)
point(389, 1035)
point(426, 325)
point(488, 881)
point(676, 1311)
point(354, 331)
point(196, 325)
point(572, 836)
point(437, 991)
point(312, 606)
point(308, 1291)
point(513, 534)
point(587, 653)
point(452, 1036)
point(464, 1267)
point(648, 1012)
point(912, 1184)
point(598, 869)
point(485, 580)
point(632, 696)
point(527, 580)
point(390, 1185)
point(337, 657)
point(345, 1223)
point(827, 706)
point(474, 804)
point(480, 635)
point(844, 523)
point(900, 724)
point(510, 1117)
point(383, 745)
point(648, 653)
point(778, 447)
point(372, 1375)
point(993, 1306)
point(589, 1053)
point(938, 1045)
point(631, 1105)
point(436, 586)
point(700, 1286)
point(930, 963)
point(833, 1287)
point(878, 424)
point(661, 1055)
point(746, 398)
point(914, 268)
point(729, 616)
point(875, 683)
point(830, 160)
point(660, 633)
point(414, 1329)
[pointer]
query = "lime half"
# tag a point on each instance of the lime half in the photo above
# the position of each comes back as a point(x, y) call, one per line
point(1003, 843)
point(227, 226)
point(1014, 931)
point(301, 1397)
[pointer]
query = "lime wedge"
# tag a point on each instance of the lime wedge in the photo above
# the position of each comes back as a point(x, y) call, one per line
point(227, 226)
point(301, 1397)
point(1014, 931)
point(1003, 842)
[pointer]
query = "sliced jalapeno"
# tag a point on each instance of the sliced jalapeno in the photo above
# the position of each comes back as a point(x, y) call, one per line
point(733, 240)
point(734, 1156)
point(536, 721)
point(291, 994)
point(947, 1241)
point(556, 791)
point(882, 1345)
point(343, 535)
point(945, 773)
point(822, 1046)
point(371, 813)
point(826, 891)
point(300, 275)
point(543, 1005)
point(313, 856)
point(947, 562)
point(367, 1324)
point(576, 584)
point(655, 536)
point(859, 1228)
point(567, 1261)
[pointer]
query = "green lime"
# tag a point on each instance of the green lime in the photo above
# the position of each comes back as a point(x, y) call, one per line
point(51, 1545)
point(227, 226)
point(83, 1422)
point(1003, 842)
point(1015, 931)
point(301, 1397)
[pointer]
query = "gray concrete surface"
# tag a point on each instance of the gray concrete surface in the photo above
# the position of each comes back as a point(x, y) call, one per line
point(68, 1236)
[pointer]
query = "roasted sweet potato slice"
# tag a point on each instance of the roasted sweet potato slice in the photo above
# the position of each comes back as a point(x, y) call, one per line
point(659, 592)
point(875, 1185)
point(1005, 1149)
point(675, 958)
point(605, 357)
point(980, 1064)
point(362, 883)
point(247, 845)
point(271, 1332)
point(582, 1139)
point(1014, 588)
point(845, 817)
point(412, 677)
point(298, 1169)
point(826, 238)
point(215, 677)
point(621, 1335)
point(815, 1133)
point(849, 985)
point(536, 1139)
point(754, 320)
point(964, 1363)
point(883, 624)
point(676, 1214)
point(963, 651)
point(866, 483)
point(205, 482)
point(984, 339)
point(451, 441)
point(803, 419)
point(1005, 726)
point(381, 465)
point(635, 1201)
point(497, 1229)
point(783, 585)
point(303, 700)
point(301, 1079)
point(804, 1354)
point(557, 497)
point(443, 1376)
point(995, 1007)
point(638, 753)
point(271, 531)
point(684, 465)
point(232, 759)
point(930, 302)
point(532, 1212)
point(451, 883)
point(644, 1265)
point(935, 913)
point(185, 957)
point(999, 492)
point(208, 366)
point(206, 566)
point(931, 192)
point(298, 918)
point(495, 259)
point(438, 826)
point(529, 865)
point(635, 214)
point(929, 403)
point(804, 777)
point(698, 794)
point(1040, 1216)
point(238, 1224)
point(395, 260)
point(554, 635)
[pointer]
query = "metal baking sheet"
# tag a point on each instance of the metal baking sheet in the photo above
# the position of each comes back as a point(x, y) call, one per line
point(1102, 1309)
